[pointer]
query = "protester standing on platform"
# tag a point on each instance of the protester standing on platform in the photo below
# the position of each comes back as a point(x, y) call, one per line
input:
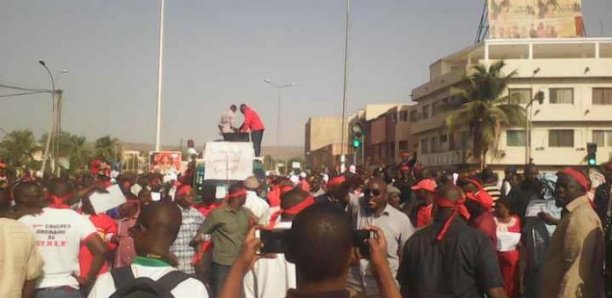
point(254, 125)
point(226, 123)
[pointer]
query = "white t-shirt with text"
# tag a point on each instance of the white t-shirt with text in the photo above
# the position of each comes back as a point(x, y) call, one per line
point(58, 234)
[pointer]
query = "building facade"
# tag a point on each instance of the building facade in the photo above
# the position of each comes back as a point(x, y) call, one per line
point(575, 77)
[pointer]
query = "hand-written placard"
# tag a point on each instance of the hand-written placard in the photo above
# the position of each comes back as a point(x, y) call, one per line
point(228, 160)
point(507, 241)
point(102, 202)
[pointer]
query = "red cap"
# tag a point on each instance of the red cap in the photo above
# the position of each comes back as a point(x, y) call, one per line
point(426, 184)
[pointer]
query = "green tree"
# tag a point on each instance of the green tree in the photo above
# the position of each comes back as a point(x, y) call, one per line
point(484, 111)
point(108, 149)
point(17, 148)
point(74, 148)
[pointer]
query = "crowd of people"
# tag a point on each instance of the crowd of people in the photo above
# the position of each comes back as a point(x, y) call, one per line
point(400, 231)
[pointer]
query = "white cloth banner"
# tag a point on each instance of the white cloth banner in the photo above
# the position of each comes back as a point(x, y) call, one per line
point(228, 160)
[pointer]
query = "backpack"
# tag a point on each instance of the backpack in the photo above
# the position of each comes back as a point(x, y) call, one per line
point(143, 287)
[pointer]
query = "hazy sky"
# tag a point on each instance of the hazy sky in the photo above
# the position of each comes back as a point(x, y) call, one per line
point(218, 53)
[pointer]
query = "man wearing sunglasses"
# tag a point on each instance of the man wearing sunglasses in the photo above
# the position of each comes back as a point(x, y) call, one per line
point(372, 209)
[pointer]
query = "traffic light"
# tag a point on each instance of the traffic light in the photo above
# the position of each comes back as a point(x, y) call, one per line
point(356, 142)
point(592, 154)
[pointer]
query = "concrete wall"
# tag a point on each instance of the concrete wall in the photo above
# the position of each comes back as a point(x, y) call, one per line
point(322, 131)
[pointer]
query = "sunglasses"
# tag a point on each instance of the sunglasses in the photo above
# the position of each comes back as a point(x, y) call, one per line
point(371, 192)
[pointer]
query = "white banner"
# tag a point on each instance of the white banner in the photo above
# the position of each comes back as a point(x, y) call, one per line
point(228, 160)
point(102, 202)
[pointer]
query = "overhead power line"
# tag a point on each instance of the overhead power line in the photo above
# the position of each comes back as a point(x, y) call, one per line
point(3, 85)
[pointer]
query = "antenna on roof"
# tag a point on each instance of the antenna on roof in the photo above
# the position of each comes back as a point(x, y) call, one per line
point(483, 26)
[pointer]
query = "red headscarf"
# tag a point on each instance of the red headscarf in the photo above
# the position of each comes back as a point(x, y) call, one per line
point(333, 182)
point(294, 210)
point(482, 197)
point(458, 208)
point(236, 194)
point(59, 202)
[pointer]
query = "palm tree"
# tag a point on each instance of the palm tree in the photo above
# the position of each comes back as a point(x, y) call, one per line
point(17, 148)
point(80, 153)
point(108, 149)
point(484, 111)
point(73, 148)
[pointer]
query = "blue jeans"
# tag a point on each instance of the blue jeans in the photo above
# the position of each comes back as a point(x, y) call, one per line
point(218, 275)
point(59, 292)
point(256, 137)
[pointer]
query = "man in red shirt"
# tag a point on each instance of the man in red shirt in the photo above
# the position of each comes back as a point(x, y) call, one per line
point(252, 123)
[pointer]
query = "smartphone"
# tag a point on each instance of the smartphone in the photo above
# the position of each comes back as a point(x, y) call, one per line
point(360, 240)
point(273, 241)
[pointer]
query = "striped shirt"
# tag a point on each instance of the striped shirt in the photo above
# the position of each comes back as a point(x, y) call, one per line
point(493, 190)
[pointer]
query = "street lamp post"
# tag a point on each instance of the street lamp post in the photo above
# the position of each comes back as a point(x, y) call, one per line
point(344, 87)
point(53, 118)
point(55, 130)
point(159, 77)
point(280, 88)
point(539, 96)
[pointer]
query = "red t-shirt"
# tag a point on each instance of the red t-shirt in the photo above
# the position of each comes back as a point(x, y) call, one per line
point(424, 216)
point(105, 225)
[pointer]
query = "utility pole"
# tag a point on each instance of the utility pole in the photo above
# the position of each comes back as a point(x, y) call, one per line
point(344, 87)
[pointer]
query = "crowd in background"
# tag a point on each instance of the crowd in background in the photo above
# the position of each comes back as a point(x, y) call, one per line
point(434, 233)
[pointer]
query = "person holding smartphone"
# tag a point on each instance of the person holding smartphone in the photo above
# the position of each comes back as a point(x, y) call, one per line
point(319, 228)
point(372, 209)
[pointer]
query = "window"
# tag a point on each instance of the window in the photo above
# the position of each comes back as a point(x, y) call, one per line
point(451, 142)
point(424, 146)
point(433, 145)
point(562, 96)
point(515, 138)
point(413, 115)
point(519, 96)
point(393, 117)
point(425, 111)
point(404, 116)
point(561, 138)
point(434, 108)
point(443, 138)
point(465, 140)
point(403, 145)
point(603, 138)
point(599, 137)
point(602, 96)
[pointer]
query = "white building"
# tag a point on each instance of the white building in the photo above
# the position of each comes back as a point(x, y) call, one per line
point(575, 76)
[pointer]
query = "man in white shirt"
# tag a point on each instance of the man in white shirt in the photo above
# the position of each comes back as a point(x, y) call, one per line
point(58, 234)
point(256, 204)
point(226, 123)
point(155, 230)
point(273, 276)
point(373, 210)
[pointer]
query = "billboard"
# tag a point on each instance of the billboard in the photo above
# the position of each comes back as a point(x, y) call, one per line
point(165, 162)
point(510, 19)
